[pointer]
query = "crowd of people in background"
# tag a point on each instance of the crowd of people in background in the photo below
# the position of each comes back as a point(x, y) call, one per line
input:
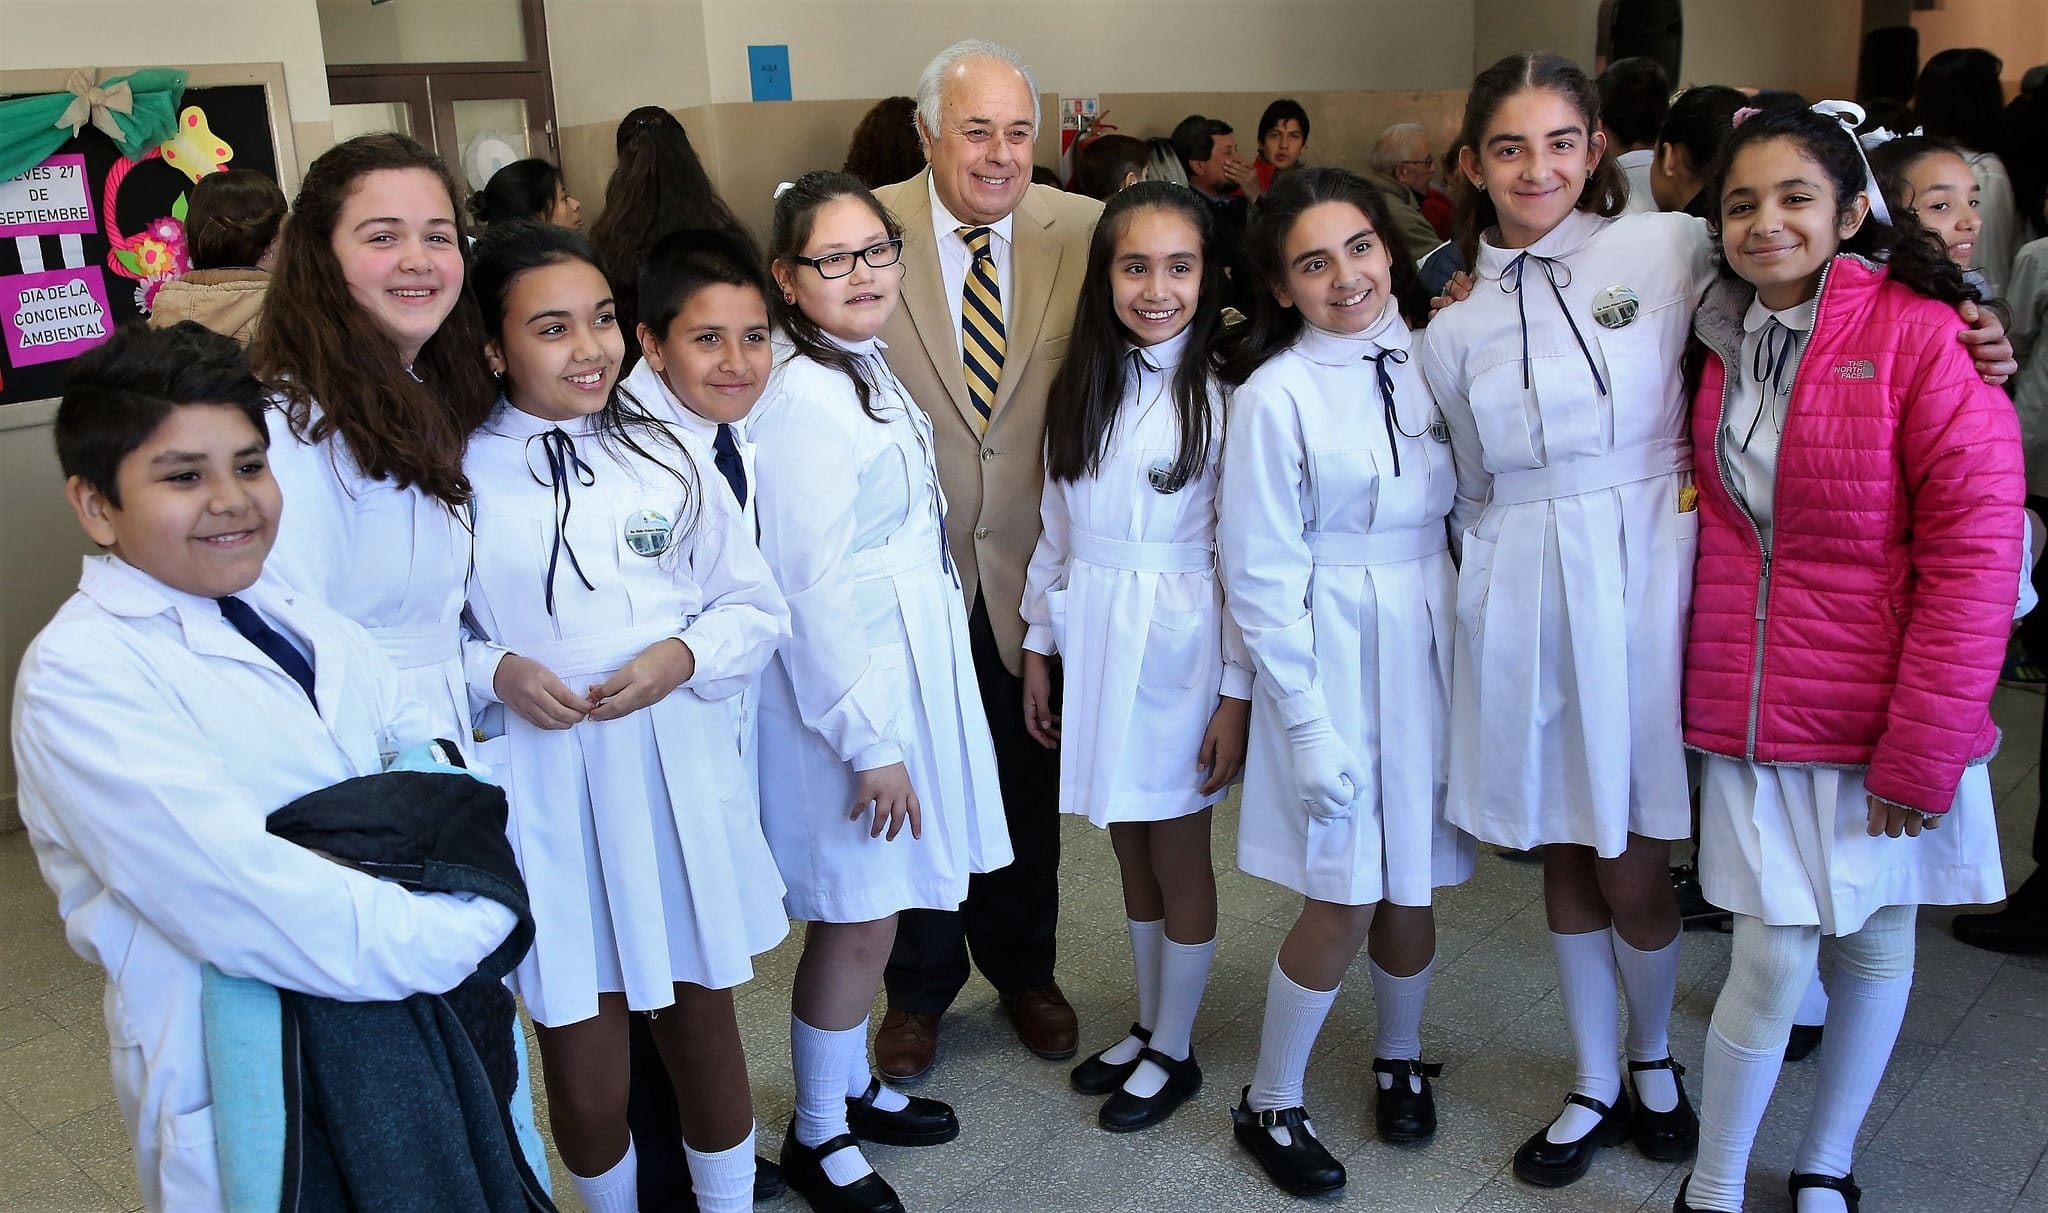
point(1646, 465)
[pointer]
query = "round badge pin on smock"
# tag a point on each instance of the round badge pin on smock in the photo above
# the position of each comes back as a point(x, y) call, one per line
point(1160, 476)
point(648, 532)
point(1616, 307)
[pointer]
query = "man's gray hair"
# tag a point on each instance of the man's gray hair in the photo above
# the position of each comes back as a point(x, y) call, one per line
point(932, 82)
point(1387, 154)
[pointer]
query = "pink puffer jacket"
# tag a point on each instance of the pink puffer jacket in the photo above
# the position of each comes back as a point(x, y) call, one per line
point(1874, 635)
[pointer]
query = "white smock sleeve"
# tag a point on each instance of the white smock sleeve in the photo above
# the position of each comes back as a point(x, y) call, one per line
point(1048, 569)
point(1468, 458)
point(809, 482)
point(1263, 552)
point(745, 617)
point(152, 807)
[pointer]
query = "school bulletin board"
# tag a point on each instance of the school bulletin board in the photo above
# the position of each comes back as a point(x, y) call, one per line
point(87, 234)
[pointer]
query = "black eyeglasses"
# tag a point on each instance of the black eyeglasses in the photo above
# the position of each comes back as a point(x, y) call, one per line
point(839, 265)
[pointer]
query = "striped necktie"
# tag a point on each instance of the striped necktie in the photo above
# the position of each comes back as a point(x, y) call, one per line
point(981, 323)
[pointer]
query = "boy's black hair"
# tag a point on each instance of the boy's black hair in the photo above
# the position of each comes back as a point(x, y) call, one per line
point(1280, 111)
point(1635, 94)
point(1195, 138)
point(683, 263)
point(116, 396)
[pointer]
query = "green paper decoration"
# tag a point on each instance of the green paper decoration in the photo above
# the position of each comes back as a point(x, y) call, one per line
point(29, 133)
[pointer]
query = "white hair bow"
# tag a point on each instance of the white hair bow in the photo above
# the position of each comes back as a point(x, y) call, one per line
point(1851, 116)
point(783, 187)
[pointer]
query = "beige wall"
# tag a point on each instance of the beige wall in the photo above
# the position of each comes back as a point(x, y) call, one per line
point(610, 56)
point(842, 49)
point(1806, 45)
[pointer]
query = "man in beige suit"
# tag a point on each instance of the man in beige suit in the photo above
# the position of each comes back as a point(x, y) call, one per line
point(992, 272)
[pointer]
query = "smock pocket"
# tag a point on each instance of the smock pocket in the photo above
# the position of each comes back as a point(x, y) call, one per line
point(1475, 578)
point(1174, 645)
point(187, 1164)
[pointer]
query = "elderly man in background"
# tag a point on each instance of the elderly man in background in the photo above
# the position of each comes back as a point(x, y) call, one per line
point(1401, 168)
point(973, 222)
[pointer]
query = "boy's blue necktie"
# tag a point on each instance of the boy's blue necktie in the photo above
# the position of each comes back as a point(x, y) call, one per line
point(726, 455)
point(270, 641)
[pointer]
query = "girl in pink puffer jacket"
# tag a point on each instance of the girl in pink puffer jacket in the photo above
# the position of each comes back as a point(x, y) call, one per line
point(1860, 532)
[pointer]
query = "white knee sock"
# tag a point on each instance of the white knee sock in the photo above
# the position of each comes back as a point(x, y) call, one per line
point(1813, 1008)
point(1585, 978)
point(1650, 979)
point(820, 1062)
point(1397, 1005)
point(1873, 976)
point(724, 1181)
point(1148, 939)
point(615, 1191)
point(1183, 974)
point(860, 1074)
point(1745, 1050)
point(1294, 1017)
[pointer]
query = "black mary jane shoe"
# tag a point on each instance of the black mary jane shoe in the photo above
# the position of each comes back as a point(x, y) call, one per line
point(1098, 1077)
point(1804, 1040)
point(1664, 1136)
point(1404, 1115)
point(1124, 1112)
point(1302, 1167)
point(925, 1122)
point(1553, 1164)
point(1678, 1203)
point(804, 1168)
point(1852, 1195)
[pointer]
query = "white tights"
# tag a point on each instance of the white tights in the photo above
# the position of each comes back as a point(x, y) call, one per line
point(1746, 1046)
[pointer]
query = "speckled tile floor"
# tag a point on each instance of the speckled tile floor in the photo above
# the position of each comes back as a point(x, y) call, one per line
point(1960, 1123)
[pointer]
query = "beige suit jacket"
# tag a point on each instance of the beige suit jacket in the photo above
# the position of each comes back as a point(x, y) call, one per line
point(993, 480)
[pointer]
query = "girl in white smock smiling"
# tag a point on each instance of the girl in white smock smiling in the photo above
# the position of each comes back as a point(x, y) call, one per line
point(1123, 588)
point(633, 600)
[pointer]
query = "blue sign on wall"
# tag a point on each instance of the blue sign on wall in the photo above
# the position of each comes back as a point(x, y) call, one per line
point(769, 68)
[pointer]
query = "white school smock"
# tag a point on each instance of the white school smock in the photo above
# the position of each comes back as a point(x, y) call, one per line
point(1790, 845)
point(877, 669)
point(391, 559)
point(1123, 587)
point(647, 386)
point(152, 741)
point(1338, 572)
point(1576, 569)
point(639, 837)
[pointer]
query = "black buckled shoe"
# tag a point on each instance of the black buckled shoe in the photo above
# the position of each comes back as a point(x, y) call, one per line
point(803, 1166)
point(1678, 1202)
point(768, 1180)
point(1404, 1115)
point(1852, 1195)
point(1098, 1077)
point(1553, 1164)
point(1302, 1167)
point(1124, 1112)
point(925, 1122)
point(1664, 1136)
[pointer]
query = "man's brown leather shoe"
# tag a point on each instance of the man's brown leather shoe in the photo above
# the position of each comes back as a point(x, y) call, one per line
point(906, 1045)
point(1044, 1021)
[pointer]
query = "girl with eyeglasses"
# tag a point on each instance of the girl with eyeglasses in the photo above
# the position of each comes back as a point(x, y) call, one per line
point(878, 777)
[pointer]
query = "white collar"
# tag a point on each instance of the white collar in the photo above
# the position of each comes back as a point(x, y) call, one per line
point(872, 346)
point(1571, 234)
point(1798, 317)
point(1635, 159)
point(122, 589)
point(945, 222)
point(644, 381)
point(1166, 355)
point(1327, 348)
point(513, 422)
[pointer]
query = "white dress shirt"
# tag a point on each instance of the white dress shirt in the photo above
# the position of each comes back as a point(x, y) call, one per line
point(954, 258)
